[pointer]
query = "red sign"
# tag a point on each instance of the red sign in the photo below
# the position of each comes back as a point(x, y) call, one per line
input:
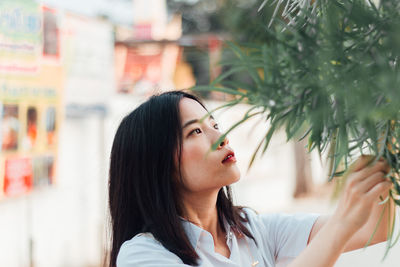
point(18, 176)
point(141, 67)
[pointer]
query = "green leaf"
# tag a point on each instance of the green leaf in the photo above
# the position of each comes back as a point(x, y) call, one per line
point(223, 136)
point(227, 74)
point(217, 89)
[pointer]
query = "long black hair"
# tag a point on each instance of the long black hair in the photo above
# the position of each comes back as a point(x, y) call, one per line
point(143, 195)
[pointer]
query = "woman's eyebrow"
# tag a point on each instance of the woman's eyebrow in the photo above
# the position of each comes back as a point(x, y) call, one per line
point(194, 121)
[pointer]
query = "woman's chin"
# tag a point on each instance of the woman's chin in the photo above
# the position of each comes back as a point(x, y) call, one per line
point(235, 174)
point(230, 177)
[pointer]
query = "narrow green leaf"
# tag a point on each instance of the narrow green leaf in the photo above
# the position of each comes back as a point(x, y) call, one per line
point(223, 136)
point(218, 89)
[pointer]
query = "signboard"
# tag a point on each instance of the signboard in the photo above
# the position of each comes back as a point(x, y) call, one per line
point(88, 51)
point(30, 98)
point(18, 176)
point(20, 37)
point(143, 69)
point(29, 123)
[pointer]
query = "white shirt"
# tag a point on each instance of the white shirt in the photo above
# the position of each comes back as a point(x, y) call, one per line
point(280, 238)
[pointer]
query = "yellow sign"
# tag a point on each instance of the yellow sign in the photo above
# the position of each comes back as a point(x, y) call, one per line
point(30, 95)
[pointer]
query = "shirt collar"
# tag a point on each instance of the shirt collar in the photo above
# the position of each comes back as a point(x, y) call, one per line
point(193, 231)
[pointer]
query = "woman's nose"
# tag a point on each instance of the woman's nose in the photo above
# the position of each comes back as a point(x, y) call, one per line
point(223, 143)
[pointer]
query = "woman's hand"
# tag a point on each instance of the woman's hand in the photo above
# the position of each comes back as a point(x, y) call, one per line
point(365, 184)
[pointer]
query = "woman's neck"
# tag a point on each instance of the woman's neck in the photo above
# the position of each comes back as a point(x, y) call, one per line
point(202, 211)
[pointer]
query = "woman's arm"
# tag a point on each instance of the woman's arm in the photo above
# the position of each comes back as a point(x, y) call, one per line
point(365, 185)
point(362, 236)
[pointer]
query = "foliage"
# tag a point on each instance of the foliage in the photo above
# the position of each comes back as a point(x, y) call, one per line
point(328, 71)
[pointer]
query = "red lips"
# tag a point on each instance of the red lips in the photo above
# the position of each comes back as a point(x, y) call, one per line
point(229, 157)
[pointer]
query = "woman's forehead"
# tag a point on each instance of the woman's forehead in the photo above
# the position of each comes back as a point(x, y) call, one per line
point(191, 109)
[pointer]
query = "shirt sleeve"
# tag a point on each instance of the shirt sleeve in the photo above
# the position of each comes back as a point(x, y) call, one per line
point(289, 234)
point(144, 251)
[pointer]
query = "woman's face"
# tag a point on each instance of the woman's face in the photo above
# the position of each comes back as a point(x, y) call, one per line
point(203, 169)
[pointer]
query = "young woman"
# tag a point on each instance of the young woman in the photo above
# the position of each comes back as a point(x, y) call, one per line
point(171, 204)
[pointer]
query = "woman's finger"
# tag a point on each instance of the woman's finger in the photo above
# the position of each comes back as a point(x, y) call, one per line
point(363, 174)
point(380, 166)
point(367, 184)
point(379, 189)
point(388, 167)
point(360, 163)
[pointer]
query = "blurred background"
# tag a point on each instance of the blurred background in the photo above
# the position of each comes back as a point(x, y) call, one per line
point(69, 72)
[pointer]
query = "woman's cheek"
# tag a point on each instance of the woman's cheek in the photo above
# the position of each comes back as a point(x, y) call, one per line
point(194, 152)
point(196, 165)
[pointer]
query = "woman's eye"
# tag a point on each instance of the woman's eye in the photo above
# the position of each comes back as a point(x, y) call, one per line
point(197, 131)
point(216, 126)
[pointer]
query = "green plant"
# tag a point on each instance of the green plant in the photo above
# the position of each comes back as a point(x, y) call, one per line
point(328, 71)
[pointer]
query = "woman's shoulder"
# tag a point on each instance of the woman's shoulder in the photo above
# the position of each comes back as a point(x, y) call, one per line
point(283, 235)
point(144, 250)
point(141, 240)
point(276, 226)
